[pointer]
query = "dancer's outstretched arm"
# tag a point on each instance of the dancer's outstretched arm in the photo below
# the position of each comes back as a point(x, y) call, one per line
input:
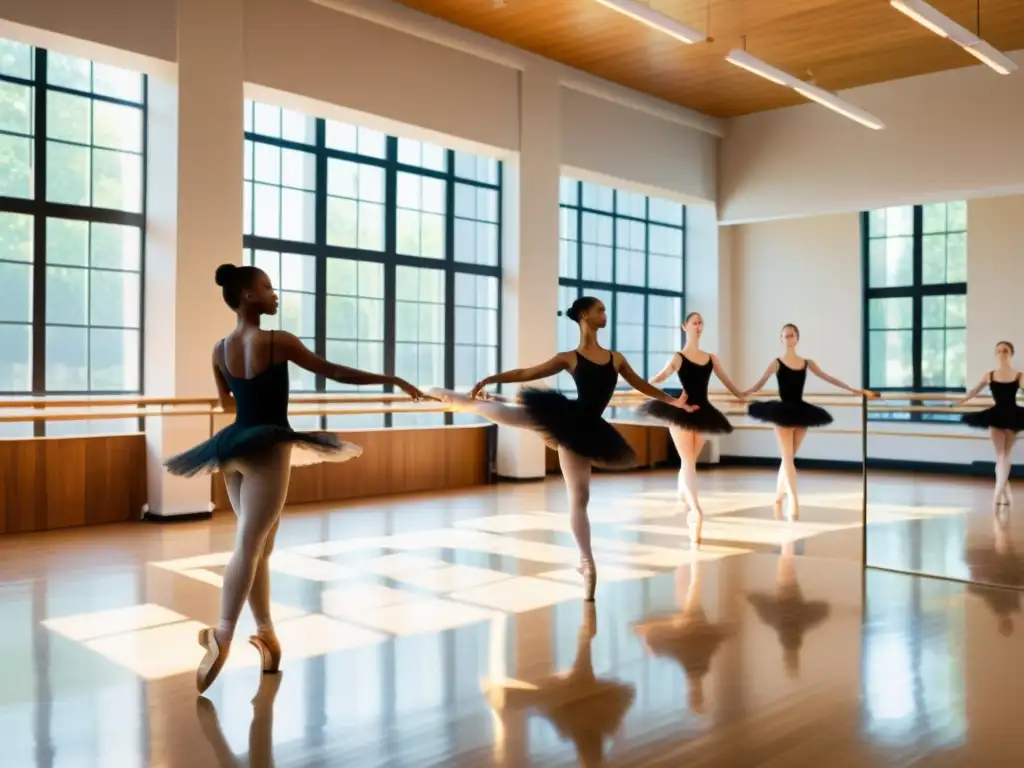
point(972, 393)
point(836, 382)
point(299, 353)
point(763, 380)
point(556, 364)
point(670, 368)
point(720, 372)
point(641, 386)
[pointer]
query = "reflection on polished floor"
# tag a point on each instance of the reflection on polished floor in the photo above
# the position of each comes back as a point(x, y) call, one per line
point(449, 630)
point(956, 532)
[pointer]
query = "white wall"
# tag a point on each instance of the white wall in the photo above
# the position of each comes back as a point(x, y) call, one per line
point(808, 271)
point(949, 135)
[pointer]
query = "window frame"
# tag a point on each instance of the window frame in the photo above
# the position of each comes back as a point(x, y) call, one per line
point(389, 257)
point(41, 209)
point(613, 287)
point(917, 291)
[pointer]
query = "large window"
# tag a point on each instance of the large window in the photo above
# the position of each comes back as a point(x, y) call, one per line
point(386, 251)
point(72, 216)
point(627, 250)
point(916, 297)
point(915, 318)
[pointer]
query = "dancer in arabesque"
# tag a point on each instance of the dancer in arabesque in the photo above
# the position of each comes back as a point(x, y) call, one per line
point(575, 428)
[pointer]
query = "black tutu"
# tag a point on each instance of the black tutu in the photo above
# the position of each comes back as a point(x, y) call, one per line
point(789, 414)
point(707, 419)
point(996, 417)
point(566, 423)
point(242, 442)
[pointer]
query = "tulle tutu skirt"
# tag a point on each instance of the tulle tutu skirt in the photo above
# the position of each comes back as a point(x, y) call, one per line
point(707, 419)
point(564, 422)
point(789, 414)
point(235, 443)
point(997, 417)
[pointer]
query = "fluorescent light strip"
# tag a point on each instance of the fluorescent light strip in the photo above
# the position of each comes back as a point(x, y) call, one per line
point(827, 99)
point(659, 21)
point(942, 25)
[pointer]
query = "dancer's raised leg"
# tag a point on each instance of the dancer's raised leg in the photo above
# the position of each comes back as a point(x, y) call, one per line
point(500, 413)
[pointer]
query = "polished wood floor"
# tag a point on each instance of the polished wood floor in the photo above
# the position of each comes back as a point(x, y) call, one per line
point(448, 630)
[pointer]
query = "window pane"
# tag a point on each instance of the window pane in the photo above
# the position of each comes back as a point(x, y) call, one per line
point(891, 262)
point(67, 357)
point(956, 311)
point(113, 360)
point(15, 358)
point(933, 358)
point(16, 160)
point(15, 236)
point(68, 174)
point(956, 258)
point(956, 358)
point(892, 314)
point(890, 359)
point(16, 59)
point(16, 113)
point(933, 259)
point(933, 218)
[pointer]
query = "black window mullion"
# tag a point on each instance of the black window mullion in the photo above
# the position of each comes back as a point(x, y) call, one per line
point(917, 335)
point(449, 280)
point(390, 274)
point(647, 284)
point(320, 255)
point(39, 238)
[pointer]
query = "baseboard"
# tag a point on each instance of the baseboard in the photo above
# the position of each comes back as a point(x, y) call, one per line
point(975, 469)
point(185, 517)
point(503, 479)
point(771, 462)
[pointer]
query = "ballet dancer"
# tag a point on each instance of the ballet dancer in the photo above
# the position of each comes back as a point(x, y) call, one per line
point(1003, 420)
point(575, 428)
point(688, 428)
point(791, 414)
point(255, 454)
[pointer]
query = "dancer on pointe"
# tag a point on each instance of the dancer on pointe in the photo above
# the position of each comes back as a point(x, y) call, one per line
point(791, 414)
point(255, 454)
point(575, 428)
point(688, 428)
point(1003, 420)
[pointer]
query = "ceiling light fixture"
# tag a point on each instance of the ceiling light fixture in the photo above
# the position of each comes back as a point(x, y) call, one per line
point(754, 65)
point(942, 25)
point(652, 18)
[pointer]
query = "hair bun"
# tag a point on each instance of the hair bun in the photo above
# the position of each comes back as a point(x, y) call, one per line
point(224, 274)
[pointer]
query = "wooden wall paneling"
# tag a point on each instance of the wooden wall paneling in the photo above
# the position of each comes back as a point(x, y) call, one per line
point(51, 483)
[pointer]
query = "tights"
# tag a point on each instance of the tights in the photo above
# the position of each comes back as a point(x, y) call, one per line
point(576, 469)
point(1003, 440)
point(688, 446)
point(257, 490)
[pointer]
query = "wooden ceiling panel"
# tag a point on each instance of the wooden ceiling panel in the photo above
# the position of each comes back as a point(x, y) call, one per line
point(835, 43)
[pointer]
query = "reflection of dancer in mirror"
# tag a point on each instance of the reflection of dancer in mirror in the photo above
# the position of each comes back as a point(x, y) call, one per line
point(261, 730)
point(1003, 420)
point(583, 707)
point(575, 428)
point(791, 414)
point(687, 637)
point(1002, 568)
point(688, 428)
point(787, 612)
point(257, 452)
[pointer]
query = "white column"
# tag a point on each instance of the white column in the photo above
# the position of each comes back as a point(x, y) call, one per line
point(707, 289)
point(530, 255)
point(194, 224)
